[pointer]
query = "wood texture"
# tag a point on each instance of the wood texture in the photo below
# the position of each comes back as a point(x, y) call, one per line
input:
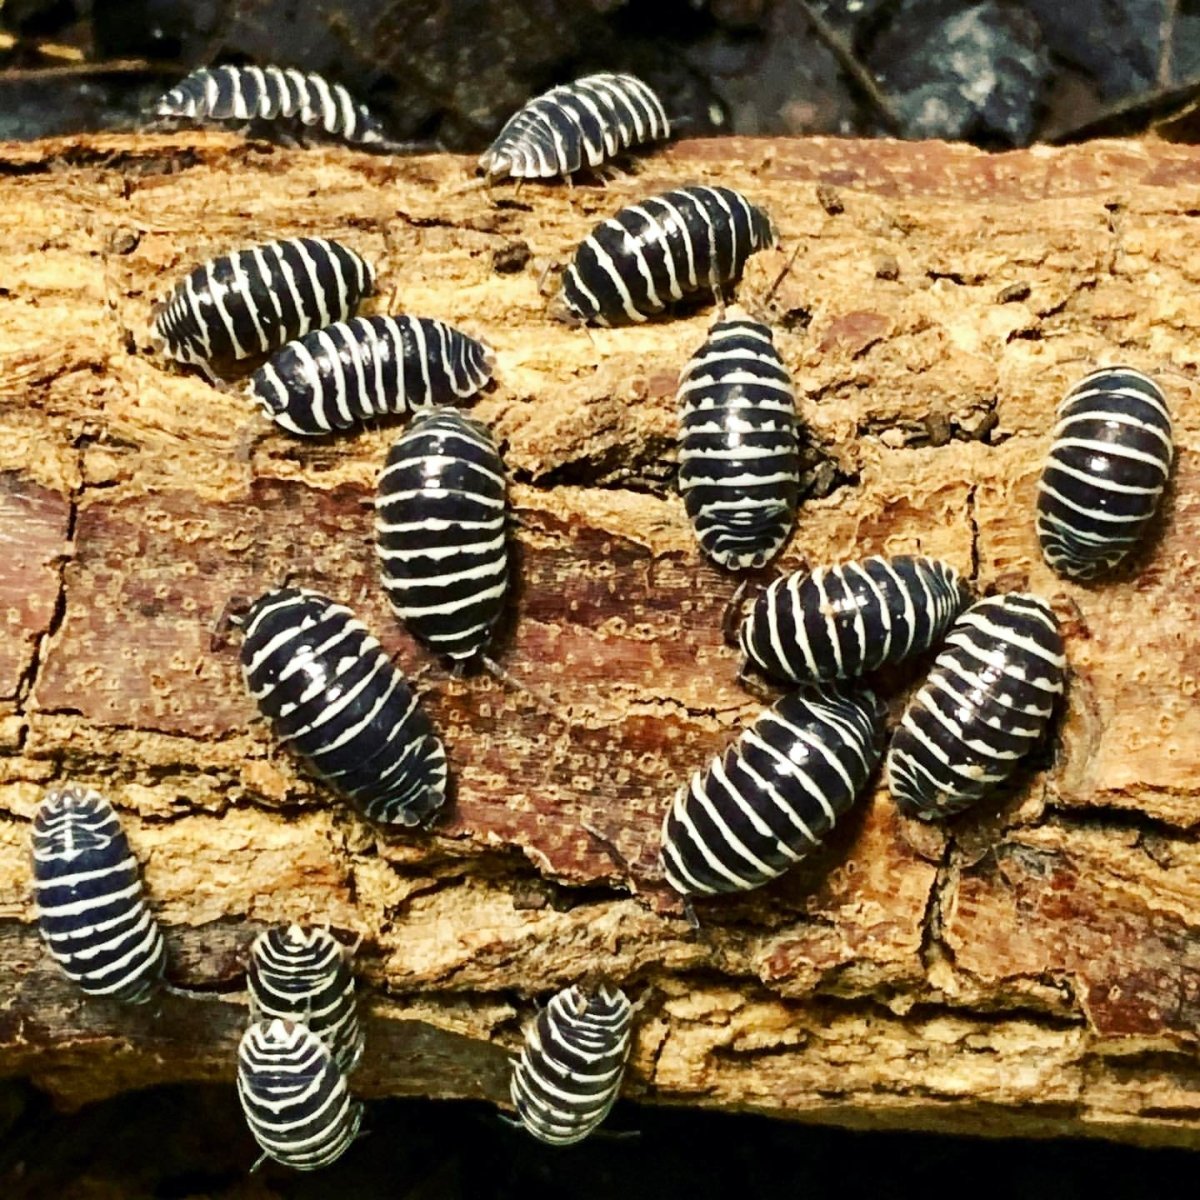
point(1035, 968)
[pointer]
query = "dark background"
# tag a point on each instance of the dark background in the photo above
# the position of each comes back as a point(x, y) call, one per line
point(994, 73)
point(179, 1142)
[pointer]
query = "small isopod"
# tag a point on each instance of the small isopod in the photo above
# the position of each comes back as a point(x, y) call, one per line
point(569, 1073)
point(576, 125)
point(739, 467)
point(1106, 472)
point(987, 702)
point(294, 1096)
point(338, 700)
point(270, 93)
point(441, 532)
point(254, 301)
point(304, 975)
point(337, 378)
point(666, 247)
point(774, 795)
point(88, 891)
point(843, 621)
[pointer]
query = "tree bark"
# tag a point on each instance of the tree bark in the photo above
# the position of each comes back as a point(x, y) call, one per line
point(1033, 968)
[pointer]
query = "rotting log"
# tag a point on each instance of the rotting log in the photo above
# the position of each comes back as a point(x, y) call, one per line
point(1033, 969)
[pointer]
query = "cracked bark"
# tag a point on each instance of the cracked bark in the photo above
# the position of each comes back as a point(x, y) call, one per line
point(1034, 969)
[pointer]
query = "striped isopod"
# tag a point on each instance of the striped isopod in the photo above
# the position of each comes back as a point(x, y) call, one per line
point(268, 94)
point(772, 796)
point(441, 532)
point(576, 125)
point(569, 1073)
point(739, 469)
point(682, 242)
point(339, 377)
point(843, 621)
point(304, 975)
point(336, 698)
point(987, 702)
point(294, 1096)
point(1106, 472)
point(256, 300)
point(88, 891)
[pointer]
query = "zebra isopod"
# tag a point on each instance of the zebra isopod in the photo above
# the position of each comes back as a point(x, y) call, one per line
point(841, 622)
point(294, 1096)
point(269, 93)
point(254, 301)
point(303, 975)
point(339, 377)
point(576, 125)
point(91, 912)
point(773, 796)
point(987, 702)
point(441, 532)
point(336, 698)
point(1105, 475)
point(689, 240)
point(569, 1073)
point(739, 467)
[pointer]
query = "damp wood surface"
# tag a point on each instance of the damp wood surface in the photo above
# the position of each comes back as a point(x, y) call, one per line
point(1033, 968)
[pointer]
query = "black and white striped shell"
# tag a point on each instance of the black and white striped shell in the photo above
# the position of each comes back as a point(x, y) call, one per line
point(774, 795)
point(1106, 471)
point(739, 466)
point(844, 621)
point(336, 698)
point(569, 1073)
point(340, 377)
point(228, 93)
point(294, 1096)
point(683, 242)
point(987, 702)
point(251, 302)
point(91, 912)
point(303, 975)
point(441, 532)
point(576, 125)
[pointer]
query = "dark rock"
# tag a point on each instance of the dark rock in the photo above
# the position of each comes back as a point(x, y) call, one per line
point(976, 73)
point(790, 83)
point(1185, 49)
point(155, 29)
point(852, 17)
point(738, 14)
point(1117, 44)
point(36, 17)
point(32, 108)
